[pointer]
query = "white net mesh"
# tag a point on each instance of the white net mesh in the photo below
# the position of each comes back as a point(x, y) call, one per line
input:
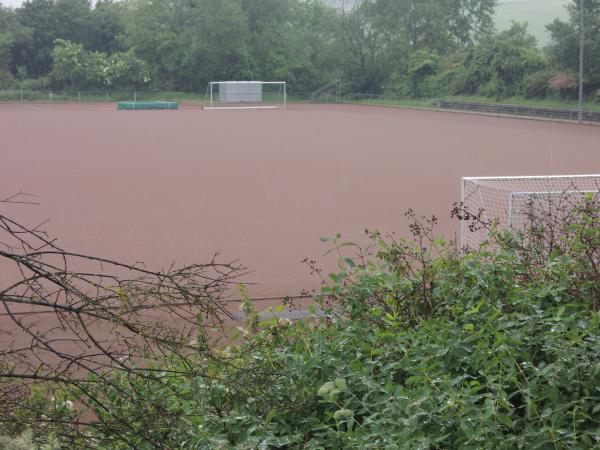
point(246, 94)
point(240, 92)
point(510, 202)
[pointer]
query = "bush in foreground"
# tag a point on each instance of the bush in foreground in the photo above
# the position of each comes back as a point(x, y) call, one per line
point(422, 347)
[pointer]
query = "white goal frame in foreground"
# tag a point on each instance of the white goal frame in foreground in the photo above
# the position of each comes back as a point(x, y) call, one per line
point(246, 95)
point(504, 200)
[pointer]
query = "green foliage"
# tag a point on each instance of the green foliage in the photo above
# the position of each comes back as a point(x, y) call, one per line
point(537, 84)
point(75, 66)
point(385, 41)
point(188, 43)
point(19, 443)
point(422, 347)
point(12, 34)
point(422, 66)
point(498, 66)
point(71, 63)
point(564, 51)
point(185, 44)
point(105, 27)
point(42, 22)
point(400, 48)
point(25, 442)
point(440, 25)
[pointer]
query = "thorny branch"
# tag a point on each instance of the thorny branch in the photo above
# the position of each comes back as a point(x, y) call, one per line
point(70, 320)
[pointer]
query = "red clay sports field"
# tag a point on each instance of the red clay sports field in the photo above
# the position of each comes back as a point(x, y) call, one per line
point(261, 186)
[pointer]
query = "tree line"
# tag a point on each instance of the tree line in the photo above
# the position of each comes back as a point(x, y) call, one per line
point(400, 48)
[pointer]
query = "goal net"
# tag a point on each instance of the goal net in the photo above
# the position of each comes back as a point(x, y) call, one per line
point(511, 202)
point(247, 95)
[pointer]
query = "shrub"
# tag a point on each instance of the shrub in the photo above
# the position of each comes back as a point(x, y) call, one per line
point(74, 66)
point(486, 350)
point(422, 346)
point(564, 86)
point(7, 81)
point(537, 84)
point(496, 67)
point(42, 83)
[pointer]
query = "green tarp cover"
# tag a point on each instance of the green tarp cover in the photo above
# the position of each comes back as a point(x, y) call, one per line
point(146, 105)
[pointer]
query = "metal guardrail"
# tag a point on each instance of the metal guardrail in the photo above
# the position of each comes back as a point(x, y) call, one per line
point(519, 110)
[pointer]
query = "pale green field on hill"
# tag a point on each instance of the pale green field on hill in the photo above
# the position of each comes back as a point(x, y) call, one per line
point(537, 13)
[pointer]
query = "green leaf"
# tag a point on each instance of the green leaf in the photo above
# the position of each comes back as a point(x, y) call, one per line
point(343, 415)
point(505, 420)
point(271, 415)
point(326, 389)
point(560, 313)
point(341, 384)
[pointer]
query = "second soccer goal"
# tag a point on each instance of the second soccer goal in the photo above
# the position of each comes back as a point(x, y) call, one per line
point(246, 95)
point(511, 202)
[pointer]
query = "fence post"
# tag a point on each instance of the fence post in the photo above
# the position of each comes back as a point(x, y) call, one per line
point(79, 95)
point(135, 96)
point(21, 93)
point(106, 95)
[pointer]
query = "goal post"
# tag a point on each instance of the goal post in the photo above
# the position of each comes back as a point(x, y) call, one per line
point(509, 202)
point(247, 95)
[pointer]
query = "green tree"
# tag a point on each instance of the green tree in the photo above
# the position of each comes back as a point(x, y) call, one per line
point(312, 57)
point(290, 40)
point(441, 25)
point(49, 20)
point(422, 65)
point(7, 39)
point(189, 42)
point(76, 67)
point(497, 66)
point(105, 27)
point(125, 69)
point(364, 41)
point(13, 35)
point(71, 63)
point(564, 49)
point(380, 36)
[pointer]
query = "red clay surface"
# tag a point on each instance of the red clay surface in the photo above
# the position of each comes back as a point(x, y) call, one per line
point(261, 186)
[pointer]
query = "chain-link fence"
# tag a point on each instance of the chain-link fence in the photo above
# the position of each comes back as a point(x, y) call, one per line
point(332, 94)
point(23, 95)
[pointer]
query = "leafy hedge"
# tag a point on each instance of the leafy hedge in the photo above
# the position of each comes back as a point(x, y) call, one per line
point(423, 347)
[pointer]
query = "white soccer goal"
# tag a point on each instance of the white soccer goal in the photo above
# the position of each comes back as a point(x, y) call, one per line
point(247, 95)
point(508, 201)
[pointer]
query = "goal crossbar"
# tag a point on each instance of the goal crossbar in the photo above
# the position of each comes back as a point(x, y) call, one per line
point(532, 177)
